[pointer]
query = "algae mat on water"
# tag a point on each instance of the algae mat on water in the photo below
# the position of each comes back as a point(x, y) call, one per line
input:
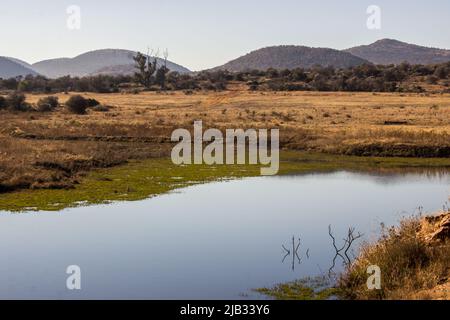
point(139, 180)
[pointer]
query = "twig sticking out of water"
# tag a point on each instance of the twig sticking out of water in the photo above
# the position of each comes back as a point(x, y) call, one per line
point(351, 237)
point(295, 255)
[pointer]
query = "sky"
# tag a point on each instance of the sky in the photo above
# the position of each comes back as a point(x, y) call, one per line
point(201, 34)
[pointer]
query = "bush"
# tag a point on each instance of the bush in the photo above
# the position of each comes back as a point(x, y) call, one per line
point(16, 102)
point(441, 72)
point(77, 104)
point(2, 103)
point(92, 103)
point(47, 104)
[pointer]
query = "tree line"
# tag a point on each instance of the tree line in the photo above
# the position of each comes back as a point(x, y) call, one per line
point(151, 76)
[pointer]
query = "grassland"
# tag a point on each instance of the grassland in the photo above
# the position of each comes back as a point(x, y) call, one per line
point(58, 150)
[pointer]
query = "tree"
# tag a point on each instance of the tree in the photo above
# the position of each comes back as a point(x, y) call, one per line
point(145, 69)
point(272, 73)
point(162, 72)
point(441, 72)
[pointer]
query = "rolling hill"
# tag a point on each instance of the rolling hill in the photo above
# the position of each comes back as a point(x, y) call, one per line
point(120, 62)
point(106, 61)
point(10, 68)
point(388, 51)
point(21, 62)
point(290, 57)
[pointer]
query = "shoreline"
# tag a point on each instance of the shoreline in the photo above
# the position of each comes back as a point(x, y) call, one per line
point(413, 259)
point(142, 179)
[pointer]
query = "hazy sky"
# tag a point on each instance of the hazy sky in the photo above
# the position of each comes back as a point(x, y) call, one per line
point(205, 33)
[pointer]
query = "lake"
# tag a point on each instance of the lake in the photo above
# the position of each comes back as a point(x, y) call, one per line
point(213, 241)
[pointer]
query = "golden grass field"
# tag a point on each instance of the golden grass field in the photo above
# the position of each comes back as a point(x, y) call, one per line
point(47, 149)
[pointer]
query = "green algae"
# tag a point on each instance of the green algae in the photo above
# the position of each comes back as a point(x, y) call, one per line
point(139, 180)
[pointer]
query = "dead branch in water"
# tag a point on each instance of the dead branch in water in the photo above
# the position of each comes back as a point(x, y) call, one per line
point(343, 251)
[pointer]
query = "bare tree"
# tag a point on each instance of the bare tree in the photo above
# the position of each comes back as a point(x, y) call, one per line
point(342, 252)
point(145, 68)
point(161, 74)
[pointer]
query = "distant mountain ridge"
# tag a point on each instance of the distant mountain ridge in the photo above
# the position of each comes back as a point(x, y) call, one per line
point(120, 62)
point(21, 62)
point(11, 68)
point(389, 51)
point(93, 63)
point(291, 57)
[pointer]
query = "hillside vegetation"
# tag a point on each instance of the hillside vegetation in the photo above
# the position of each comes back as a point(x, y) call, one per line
point(366, 78)
point(292, 57)
point(388, 51)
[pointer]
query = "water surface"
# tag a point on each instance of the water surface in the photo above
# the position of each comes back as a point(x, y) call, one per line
point(212, 241)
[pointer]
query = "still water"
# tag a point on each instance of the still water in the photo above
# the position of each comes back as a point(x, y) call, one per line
point(211, 241)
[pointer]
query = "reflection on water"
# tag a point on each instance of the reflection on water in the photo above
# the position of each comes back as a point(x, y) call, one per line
point(343, 252)
point(293, 252)
point(217, 240)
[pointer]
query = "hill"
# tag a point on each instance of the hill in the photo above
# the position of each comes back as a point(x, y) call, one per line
point(10, 68)
point(388, 51)
point(291, 57)
point(93, 63)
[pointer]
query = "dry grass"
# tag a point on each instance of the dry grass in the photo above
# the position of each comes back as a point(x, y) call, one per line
point(411, 267)
point(135, 126)
point(59, 164)
point(317, 115)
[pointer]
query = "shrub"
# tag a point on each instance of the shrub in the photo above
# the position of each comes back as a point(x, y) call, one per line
point(77, 104)
point(2, 103)
point(441, 72)
point(47, 104)
point(16, 102)
point(92, 103)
